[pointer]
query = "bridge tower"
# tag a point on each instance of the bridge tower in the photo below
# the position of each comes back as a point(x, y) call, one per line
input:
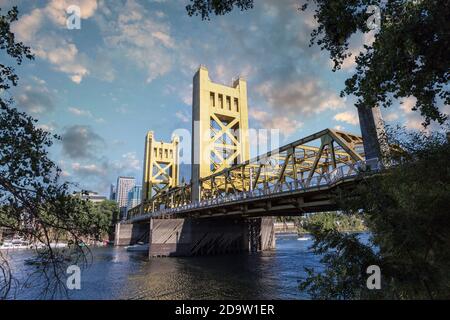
point(373, 134)
point(219, 126)
point(161, 169)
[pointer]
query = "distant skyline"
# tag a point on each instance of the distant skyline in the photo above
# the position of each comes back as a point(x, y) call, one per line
point(129, 70)
point(123, 186)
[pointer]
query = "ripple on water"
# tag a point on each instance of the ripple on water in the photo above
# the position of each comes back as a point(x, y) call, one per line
point(118, 274)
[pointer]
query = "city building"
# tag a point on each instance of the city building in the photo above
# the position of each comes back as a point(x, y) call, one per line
point(124, 186)
point(112, 192)
point(134, 197)
point(91, 196)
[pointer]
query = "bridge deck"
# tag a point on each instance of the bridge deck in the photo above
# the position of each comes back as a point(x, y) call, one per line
point(294, 178)
point(289, 201)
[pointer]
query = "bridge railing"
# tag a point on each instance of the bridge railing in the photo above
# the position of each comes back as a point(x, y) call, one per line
point(328, 179)
point(313, 161)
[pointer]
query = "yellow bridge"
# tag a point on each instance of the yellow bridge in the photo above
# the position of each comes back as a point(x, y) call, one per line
point(227, 205)
point(291, 180)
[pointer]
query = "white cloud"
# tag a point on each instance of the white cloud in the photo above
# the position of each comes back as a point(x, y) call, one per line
point(51, 45)
point(305, 97)
point(129, 161)
point(84, 113)
point(80, 112)
point(286, 125)
point(349, 117)
point(98, 176)
point(36, 99)
point(412, 120)
point(63, 55)
point(28, 25)
point(183, 116)
point(339, 128)
point(38, 80)
point(89, 169)
point(140, 35)
point(164, 38)
point(406, 104)
point(391, 116)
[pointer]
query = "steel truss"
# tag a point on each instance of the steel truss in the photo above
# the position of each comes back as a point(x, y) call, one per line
point(300, 164)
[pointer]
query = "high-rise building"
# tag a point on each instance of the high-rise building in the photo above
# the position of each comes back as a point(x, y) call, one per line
point(134, 197)
point(112, 192)
point(124, 185)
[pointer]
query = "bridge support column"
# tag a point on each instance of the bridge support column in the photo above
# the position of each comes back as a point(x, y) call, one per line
point(372, 131)
point(209, 236)
point(127, 233)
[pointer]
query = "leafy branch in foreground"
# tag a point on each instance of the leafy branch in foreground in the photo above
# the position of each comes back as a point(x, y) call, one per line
point(345, 260)
point(221, 7)
point(406, 210)
point(34, 203)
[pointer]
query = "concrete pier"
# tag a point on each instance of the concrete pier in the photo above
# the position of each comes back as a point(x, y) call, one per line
point(128, 234)
point(200, 236)
point(210, 236)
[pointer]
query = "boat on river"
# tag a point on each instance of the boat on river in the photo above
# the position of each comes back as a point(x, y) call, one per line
point(14, 244)
point(20, 243)
point(139, 247)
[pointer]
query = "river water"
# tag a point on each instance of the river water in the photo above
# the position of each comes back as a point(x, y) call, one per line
point(117, 274)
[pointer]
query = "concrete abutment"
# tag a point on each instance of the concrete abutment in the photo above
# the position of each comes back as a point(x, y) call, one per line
point(128, 234)
point(210, 236)
point(200, 236)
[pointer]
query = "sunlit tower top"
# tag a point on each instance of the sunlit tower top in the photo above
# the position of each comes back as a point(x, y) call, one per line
point(219, 126)
point(161, 170)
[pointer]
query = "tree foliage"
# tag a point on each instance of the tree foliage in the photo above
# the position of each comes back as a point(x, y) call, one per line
point(34, 202)
point(104, 216)
point(333, 220)
point(345, 260)
point(16, 50)
point(219, 7)
point(407, 212)
point(410, 56)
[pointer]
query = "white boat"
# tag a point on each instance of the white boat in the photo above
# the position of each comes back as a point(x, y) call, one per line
point(16, 243)
point(6, 245)
point(58, 245)
point(139, 247)
point(303, 238)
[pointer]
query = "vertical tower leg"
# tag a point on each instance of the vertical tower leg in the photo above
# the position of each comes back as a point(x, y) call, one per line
point(373, 134)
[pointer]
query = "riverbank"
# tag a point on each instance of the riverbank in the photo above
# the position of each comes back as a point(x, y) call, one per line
point(332, 220)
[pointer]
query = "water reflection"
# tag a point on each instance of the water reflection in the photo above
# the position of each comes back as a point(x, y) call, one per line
point(118, 274)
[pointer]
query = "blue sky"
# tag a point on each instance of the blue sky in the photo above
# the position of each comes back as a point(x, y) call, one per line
point(129, 69)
